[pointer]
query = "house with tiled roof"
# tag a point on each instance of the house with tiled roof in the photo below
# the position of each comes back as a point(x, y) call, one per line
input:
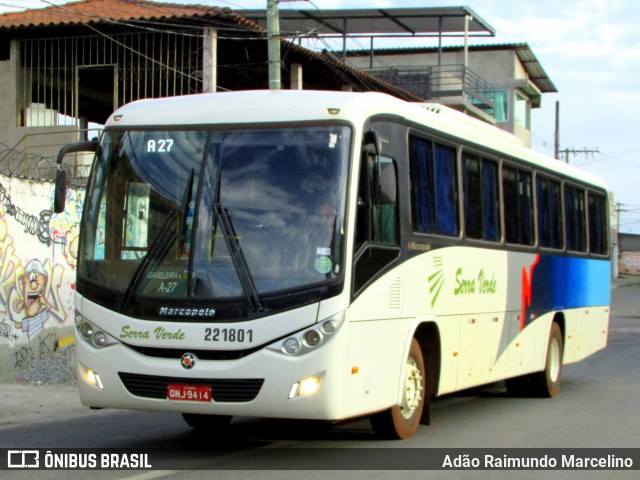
point(65, 68)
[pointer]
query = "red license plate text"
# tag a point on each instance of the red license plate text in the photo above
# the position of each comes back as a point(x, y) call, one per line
point(191, 393)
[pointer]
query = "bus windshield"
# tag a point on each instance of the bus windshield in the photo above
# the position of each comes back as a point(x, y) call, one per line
point(199, 216)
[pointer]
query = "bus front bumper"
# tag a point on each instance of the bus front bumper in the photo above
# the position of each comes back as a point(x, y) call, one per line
point(263, 384)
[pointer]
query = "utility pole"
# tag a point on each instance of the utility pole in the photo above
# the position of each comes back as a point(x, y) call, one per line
point(557, 136)
point(273, 44)
point(567, 151)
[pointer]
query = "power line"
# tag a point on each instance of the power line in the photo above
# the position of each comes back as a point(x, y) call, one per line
point(573, 151)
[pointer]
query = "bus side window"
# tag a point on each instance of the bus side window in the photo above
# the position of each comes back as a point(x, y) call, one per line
point(481, 198)
point(384, 215)
point(376, 243)
point(597, 224)
point(518, 205)
point(434, 187)
point(575, 220)
point(549, 213)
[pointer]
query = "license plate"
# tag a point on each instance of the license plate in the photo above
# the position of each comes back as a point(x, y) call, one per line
point(190, 393)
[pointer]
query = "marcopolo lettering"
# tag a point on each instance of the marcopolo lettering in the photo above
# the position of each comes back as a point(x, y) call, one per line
point(187, 312)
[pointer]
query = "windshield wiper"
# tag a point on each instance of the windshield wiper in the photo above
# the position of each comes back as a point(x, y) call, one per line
point(159, 246)
point(163, 241)
point(238, 258)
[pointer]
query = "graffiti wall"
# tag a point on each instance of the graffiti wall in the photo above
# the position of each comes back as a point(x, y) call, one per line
point(38, 251)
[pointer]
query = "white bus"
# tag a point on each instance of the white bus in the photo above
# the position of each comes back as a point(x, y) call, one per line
point(328, 255)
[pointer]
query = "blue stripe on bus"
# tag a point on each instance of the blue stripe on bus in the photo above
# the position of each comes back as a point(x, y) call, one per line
point(570, 282)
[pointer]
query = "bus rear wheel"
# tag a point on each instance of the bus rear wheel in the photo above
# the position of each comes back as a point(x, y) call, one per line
point(545, 383)
point(203, 423)
point(402, 421)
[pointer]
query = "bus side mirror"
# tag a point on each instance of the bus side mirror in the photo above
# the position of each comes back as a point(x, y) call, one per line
point(60, 192)
point(383, 178)
point(372, 143)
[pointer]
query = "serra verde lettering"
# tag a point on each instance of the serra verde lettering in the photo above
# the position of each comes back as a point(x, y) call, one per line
point(159, 333)
point(481, 285)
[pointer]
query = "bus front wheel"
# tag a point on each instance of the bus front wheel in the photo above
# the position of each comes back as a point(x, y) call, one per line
point(545, 383)
point(402, 421)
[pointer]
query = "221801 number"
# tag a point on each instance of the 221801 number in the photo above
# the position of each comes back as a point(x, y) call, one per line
point(239, 335)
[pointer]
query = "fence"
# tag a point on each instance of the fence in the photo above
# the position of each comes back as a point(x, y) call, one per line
point(34, 157)
point(438, 81)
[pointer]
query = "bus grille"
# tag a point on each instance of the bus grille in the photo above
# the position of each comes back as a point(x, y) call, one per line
point(222, 390)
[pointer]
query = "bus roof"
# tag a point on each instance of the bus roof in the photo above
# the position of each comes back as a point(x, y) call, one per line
point(282, 106)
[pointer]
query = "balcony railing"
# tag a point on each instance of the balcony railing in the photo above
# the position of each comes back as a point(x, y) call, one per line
point(439, 81)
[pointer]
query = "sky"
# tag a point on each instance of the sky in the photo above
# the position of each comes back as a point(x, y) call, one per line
point(588, 49)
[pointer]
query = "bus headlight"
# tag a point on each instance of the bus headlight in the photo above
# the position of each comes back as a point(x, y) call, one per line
point(86, 330)
point(91, 334)
point(100, 339)
point(309, 339)
point(291, 346)
point(312, 338)
point(91, 377)
point(329, 326)
point(305, 387)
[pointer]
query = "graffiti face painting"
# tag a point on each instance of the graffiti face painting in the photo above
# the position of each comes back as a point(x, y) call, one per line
point(33, 284)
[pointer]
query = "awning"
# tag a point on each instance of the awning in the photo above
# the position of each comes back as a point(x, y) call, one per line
point(382, 22)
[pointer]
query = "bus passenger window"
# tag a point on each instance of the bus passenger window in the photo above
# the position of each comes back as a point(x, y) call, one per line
point(490, 202)
point(518, 206)
point(597, 224)
point(549, 213)
point(481, 198)
point(434, 188)
point(472, 184)
point(574, 214)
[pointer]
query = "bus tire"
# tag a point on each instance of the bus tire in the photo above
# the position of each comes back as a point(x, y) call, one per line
point(402, 421)
point(546, 383)
point(203, 422)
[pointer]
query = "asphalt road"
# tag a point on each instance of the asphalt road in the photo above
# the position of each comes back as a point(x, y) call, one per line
point(597, 408)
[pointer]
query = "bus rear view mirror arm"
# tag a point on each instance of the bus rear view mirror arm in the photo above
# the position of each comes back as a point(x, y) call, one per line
point(60, 191)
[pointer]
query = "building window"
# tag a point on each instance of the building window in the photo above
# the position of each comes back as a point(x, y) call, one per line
point(501, 102)
point(77, 80)
point(520, 111)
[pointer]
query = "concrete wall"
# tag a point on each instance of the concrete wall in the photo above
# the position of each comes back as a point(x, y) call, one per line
point(8, 80)
point(38, 252)
point(629, 263)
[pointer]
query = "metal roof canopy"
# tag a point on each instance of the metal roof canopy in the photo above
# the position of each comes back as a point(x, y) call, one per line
point(380, 22)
